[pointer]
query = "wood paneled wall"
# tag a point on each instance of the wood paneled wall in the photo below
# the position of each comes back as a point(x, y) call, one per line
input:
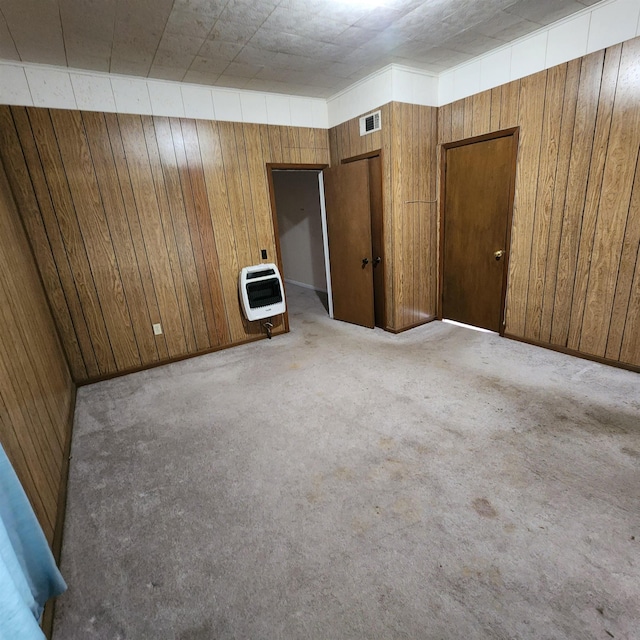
point(574, 271)
point(408, 142)
point(137, 220)
point(36, 391)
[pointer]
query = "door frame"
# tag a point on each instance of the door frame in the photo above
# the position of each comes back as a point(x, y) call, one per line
point(503, 133)
point(288, 166)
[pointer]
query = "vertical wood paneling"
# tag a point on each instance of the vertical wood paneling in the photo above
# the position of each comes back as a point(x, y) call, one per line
point(613, 212)
point(595, 185)
point(187, 241)
point(496, 109)
point(552, 119)
point(95, 235)
point(218, 333)
point(444, 121)
point(468, 117)
point(481, 113)
point(62, 297)
point(408, 143)
point(126, 187)
point(137, 220)
point(457, 120)
point(559, 196)
point(36, 391)
point(387, 206)
point(169, 236)
point(398, 208)
point(106, 175)
point(630, 352)
point(532, 99)
point(409, 210)
point(139, 164)
point(216, 184)
point(245, 189)
point(510, 106)
point(582, 144)
point(626, 272)
point(73, 244)
point(574, 270)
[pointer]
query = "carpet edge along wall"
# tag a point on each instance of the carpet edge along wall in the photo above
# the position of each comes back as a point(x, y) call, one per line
point(136, 220)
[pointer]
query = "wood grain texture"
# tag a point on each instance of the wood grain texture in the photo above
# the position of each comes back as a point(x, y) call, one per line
point(595, 185)
point(547, 172)
point(36, 390)
point(574, 265)
point(613, 211)
point(577, 180)
point(136, 220)
point(532, 100)
point(559, 196)
point(408, 144)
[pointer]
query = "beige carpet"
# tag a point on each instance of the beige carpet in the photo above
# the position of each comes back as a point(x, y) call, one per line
point(339, 482)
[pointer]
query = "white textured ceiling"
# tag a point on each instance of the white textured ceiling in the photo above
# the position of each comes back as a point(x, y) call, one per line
point(300, 47)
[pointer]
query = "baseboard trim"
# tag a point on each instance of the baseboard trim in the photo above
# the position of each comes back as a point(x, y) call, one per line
point(56, 546)
point(304, 285)
point(125, 372)
point(573, 352)
point(409, 327)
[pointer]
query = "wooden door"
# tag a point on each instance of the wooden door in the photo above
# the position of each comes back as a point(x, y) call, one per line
point(478, 198)
point(349, 229)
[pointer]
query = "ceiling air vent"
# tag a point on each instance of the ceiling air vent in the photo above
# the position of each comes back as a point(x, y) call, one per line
point(370, 123)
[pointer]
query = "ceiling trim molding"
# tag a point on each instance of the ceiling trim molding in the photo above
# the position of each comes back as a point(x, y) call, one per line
point(391, 83)
point(39, 85)
point(592, 29)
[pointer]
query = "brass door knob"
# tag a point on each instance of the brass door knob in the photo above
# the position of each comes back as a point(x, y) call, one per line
point(498, 254)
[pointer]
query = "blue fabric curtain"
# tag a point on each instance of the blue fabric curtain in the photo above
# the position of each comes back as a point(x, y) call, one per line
point(28, 572)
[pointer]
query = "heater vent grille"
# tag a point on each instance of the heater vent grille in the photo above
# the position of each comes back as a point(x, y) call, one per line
point(370, 123)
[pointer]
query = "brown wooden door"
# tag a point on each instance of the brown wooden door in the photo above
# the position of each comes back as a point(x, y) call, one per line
point(349, 229)
point(477, 206)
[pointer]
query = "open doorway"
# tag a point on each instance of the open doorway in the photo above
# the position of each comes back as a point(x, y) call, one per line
point(300, 224)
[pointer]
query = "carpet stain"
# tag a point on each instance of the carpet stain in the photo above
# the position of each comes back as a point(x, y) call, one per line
point(396, 469)
point(630, 452)
point(316, 494)
point(406, 509)
point(203, 632)
point(490, 574)
point(294, 365)
point(342, 473)
point(484, 508)
point(359, 526)
point(387, 443)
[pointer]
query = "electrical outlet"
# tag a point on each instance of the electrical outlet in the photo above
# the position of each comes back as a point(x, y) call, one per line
point(157, 329)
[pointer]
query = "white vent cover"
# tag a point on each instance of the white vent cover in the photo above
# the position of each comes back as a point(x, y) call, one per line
point(370, 123)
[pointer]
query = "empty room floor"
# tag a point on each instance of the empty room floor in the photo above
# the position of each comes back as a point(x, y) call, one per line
point(341, 482)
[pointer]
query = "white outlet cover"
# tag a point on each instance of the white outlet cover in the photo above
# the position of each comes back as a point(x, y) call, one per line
point(157, 329)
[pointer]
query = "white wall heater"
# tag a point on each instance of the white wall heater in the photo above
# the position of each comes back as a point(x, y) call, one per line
point(261, 291)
